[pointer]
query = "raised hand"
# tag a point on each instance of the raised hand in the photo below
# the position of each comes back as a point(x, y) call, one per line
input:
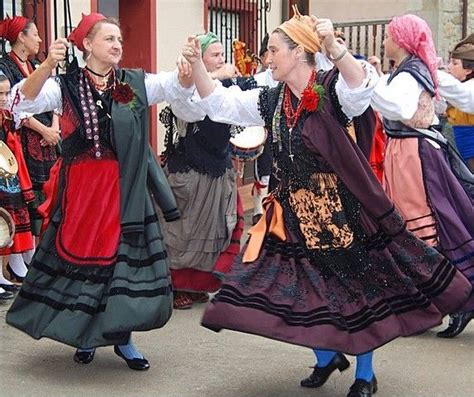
point(185, 72)
point(325, 30)
point(227, 71)
point(192, 50)
point(56, 53)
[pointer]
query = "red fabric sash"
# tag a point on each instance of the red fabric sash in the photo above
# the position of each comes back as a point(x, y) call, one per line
point(378, 150)
point(50, 188)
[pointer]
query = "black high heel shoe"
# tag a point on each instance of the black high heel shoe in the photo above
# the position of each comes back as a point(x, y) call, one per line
point(138, 364)
point(13, 276)
point(362, 388)
point(321, 374)
point(84, 357)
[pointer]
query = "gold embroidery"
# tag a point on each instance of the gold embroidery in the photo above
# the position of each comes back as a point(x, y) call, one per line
point(321, 215)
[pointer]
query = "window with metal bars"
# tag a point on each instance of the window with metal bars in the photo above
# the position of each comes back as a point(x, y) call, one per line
point(41, 12)
point(245, 20)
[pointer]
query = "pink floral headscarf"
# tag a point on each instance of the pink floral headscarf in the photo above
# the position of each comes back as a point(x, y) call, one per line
point(414, 35)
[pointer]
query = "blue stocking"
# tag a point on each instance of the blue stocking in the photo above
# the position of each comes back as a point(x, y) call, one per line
point(364, 369)
point(129, 350)
point(324, 357)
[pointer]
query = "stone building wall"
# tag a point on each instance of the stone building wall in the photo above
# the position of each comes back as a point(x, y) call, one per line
point(443, 16)
point(445, 20)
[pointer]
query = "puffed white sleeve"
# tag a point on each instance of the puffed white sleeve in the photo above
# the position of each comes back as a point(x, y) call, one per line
point(399, 99)
point(48, 99)
point(232, 106)
point(165, 86)
point(458, 94)
point(355, 101)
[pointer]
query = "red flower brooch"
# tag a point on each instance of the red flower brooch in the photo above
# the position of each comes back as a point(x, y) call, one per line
point(313, 97)
point(123, 93)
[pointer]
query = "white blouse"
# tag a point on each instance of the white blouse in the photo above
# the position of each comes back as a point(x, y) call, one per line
point(234, 106)
point(162, 86)
point(399, 99)
point(456, 93)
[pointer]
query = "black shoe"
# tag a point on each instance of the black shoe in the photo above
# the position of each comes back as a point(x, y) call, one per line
point(13, 276)
point(362, 388)
point(84, 357)
point(321, 374)
point(10, 288)
point(5, 296)
point(457, 323)
point(138, 364)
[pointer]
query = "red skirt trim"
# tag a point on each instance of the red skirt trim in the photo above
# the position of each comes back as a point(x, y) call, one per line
point(199, 281)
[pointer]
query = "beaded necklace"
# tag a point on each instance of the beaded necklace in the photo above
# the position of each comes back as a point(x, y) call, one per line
point(291, 114)
point(107, 80)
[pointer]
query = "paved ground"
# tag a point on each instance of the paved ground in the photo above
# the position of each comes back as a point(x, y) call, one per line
point(190, 361)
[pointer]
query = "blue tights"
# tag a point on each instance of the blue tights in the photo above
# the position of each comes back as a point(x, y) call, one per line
point(364, 368)
point(127, 350)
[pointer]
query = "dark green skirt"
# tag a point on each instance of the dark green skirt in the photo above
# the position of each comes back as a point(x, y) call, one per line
point(96, 306)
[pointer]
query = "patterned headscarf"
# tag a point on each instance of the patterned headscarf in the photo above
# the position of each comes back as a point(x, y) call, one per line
point(414, 35)
point(10, 28)
point(206, 40)
point(300, 30)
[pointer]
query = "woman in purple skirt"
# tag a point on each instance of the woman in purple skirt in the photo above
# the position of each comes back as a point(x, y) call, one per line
point(330, 265)
point(429, 184)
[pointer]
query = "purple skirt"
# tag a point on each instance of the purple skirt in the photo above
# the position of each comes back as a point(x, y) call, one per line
point(386, 284)
point(453, 208)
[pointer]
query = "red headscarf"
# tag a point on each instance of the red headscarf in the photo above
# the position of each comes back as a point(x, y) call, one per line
point(414, 35)
point(10, 28)
point(83, 28)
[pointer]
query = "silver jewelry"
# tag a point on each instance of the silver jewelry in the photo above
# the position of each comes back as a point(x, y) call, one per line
point(339, 57)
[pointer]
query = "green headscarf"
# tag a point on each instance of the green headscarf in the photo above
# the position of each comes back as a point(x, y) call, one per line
point(206, 40)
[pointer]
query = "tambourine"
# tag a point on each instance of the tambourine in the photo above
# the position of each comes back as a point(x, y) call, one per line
point(7, 228)
point(248, 144)
point(8, 163)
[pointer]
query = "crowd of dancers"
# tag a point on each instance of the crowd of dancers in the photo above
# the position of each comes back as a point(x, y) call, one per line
point(363, 221)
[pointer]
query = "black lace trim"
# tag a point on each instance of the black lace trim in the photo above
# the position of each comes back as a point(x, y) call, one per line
point(204, 146)
point(267, 102)
point(196, 150)
point(332, 95)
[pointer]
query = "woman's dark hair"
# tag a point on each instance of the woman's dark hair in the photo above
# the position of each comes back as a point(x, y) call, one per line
point(468, 65)
point(309, 57)
point(3, 77)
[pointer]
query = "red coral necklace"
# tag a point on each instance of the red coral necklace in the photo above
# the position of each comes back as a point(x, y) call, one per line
point(292, 115)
